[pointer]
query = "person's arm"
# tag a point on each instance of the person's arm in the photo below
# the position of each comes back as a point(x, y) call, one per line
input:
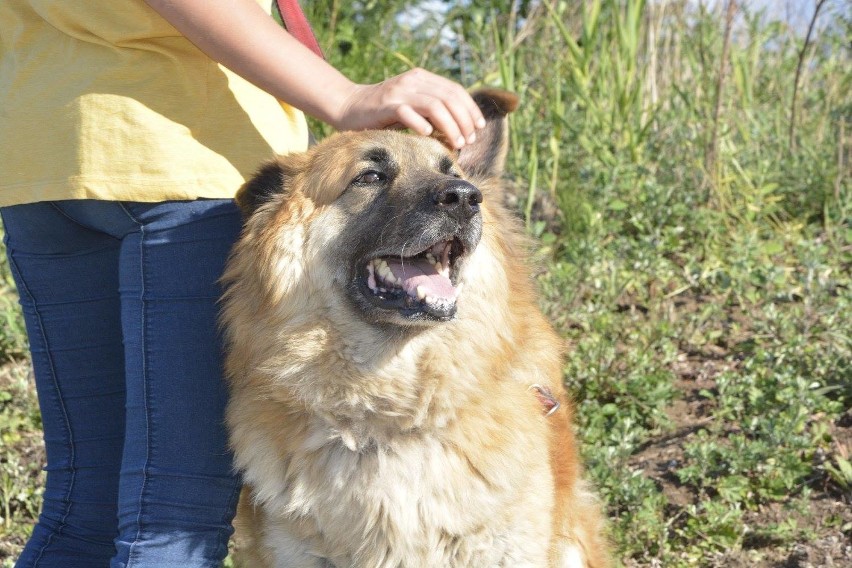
point(241, 36)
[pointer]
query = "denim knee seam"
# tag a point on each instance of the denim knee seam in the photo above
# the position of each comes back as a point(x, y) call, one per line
point(145, 392)
point(72, 450)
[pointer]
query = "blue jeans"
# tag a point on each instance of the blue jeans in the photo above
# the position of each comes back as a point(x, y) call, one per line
point(120, 303)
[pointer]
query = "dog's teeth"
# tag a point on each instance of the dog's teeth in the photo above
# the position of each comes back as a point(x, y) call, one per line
point(383, 270)
point(371, 277)
point(431, 257)
point(442, 270)
point(421, 292)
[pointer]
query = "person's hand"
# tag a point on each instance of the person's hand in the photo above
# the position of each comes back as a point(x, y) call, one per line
point(240, 35)
point(416, 99)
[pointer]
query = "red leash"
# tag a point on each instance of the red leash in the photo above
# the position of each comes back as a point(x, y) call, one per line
point(297, 24)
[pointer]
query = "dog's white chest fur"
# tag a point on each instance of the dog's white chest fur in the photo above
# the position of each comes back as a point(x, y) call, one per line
point(411, 503)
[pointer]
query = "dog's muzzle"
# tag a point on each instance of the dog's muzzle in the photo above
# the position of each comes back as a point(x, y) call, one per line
point(424, 282)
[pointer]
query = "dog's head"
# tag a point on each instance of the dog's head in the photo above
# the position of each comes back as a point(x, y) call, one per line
point(389, 219)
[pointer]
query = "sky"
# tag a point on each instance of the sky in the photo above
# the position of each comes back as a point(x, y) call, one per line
point(797, 13)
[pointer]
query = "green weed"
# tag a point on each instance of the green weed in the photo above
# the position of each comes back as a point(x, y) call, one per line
point(13, 338)
point(21, 457)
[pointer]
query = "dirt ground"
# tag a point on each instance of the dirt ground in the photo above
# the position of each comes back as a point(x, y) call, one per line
point(828, 545)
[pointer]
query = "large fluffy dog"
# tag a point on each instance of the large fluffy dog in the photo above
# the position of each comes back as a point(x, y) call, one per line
point(390, 367)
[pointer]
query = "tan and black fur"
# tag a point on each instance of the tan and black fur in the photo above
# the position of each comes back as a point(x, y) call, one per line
point(377, 430)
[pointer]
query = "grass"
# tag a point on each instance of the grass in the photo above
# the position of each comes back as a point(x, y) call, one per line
point(708, 398)
point(692, 215)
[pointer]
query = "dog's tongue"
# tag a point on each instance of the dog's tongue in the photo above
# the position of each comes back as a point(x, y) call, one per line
point(414, 273)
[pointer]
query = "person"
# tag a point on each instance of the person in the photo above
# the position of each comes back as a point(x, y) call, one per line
point(125, 130)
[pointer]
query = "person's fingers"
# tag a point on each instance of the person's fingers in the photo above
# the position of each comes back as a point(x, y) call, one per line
point(455, 113)
point(467, 114)
point(425, 114)
point(407, 117)
point(472, 108)
point(419, 100)
point(437, 113)
point(462, 116)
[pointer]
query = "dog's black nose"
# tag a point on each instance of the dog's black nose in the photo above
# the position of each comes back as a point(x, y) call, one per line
point(459, 199)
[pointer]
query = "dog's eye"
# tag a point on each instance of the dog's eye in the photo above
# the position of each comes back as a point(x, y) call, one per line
point(370, 177)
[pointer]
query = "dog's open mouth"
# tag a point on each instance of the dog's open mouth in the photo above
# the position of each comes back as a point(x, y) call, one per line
point(421, 284)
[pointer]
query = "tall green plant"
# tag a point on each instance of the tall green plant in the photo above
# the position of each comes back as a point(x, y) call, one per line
point(604, 75)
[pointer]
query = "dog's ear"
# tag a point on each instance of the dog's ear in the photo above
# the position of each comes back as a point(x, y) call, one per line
point(262, 188)
point(487, 156)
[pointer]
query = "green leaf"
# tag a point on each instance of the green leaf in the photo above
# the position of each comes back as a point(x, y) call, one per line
point(772, 247)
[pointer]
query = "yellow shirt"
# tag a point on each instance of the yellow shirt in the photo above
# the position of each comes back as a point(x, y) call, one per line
point(103, 99)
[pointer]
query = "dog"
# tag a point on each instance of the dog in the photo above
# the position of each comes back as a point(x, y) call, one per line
point(395, 390)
